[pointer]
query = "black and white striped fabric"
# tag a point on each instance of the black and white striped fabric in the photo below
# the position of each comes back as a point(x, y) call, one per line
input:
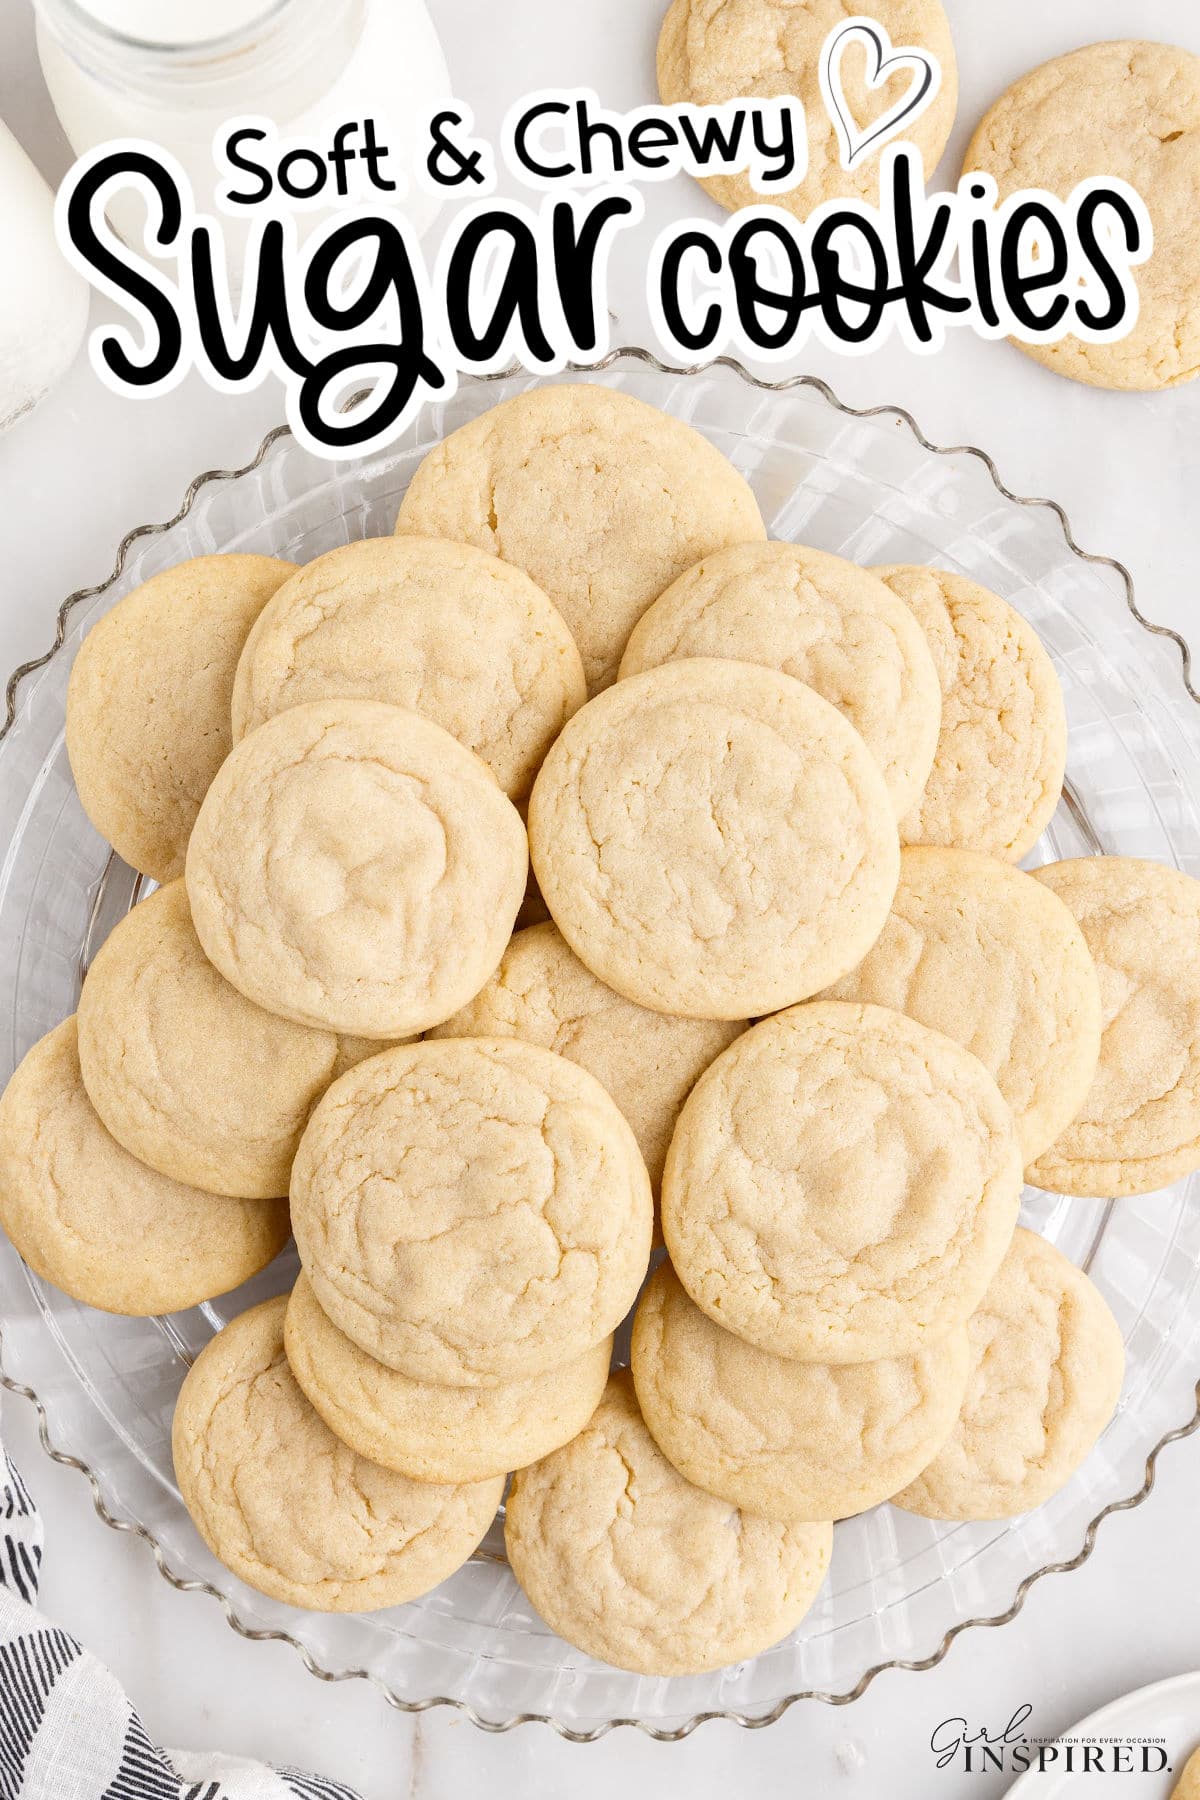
point(67, 1731)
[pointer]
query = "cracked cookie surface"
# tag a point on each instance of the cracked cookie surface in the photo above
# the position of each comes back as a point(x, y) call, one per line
point(1128, 109)
point(629, 1562)
point(825, 622)
point(786, 1439)
point(472, 1210)
point(713, 839)
point(427, 1430)
point(647, 1061)
point(96, 1222)
point(1047, 1364)
point(712, 51)
point(440, 628)
point(148, 702)
point(1002, 749)
point(1139, 1126)
point(292, 1510)
point(355, 868)
point(602, 499)
point(190, 1076)
point(842, 1185)
point(984, 953)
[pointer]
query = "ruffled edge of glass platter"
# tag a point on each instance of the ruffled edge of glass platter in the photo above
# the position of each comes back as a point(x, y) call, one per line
point(631, 357)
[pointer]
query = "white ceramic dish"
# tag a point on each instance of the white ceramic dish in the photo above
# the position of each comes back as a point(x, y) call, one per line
point(868, 486)
point(1169, 1710)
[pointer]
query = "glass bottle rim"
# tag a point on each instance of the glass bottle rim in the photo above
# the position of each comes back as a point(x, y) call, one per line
point(79, 17)
point(223, 73)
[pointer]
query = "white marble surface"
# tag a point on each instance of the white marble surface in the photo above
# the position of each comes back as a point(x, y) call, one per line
point(84, 468)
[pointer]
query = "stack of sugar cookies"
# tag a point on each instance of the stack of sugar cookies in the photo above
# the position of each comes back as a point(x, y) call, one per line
point(792, 998)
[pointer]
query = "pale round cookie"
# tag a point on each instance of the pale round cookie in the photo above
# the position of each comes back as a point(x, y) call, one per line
point(186, 1073)
point(1132, 110)
point(712, 51)
point(428, 1431)
point(629, 1562)
point(602, 499)
point(292, 1510)
point(648, 1061)
point(1047, 1364)
point(1002, 751)
point(355, 868)
point(1188, 1785)
point(471, 1211)
point(713, 839)
point(1139, 1126)
point(783, 1439)
point(148, 702)
point(826, 622)
point(991, 958)
point(97, 1223)
point(842, 1185)
point(440, 628)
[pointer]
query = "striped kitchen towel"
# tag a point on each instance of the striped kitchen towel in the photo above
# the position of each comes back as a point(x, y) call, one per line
point(67, 1731)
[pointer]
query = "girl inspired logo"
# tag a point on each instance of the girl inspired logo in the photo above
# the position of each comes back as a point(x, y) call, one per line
point(977, 1750)
point(883, 61)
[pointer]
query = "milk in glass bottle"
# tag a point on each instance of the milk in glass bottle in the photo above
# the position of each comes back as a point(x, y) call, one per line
point(43, 302)
point(172, 71)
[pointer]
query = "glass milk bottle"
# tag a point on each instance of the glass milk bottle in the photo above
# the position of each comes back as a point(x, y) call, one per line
point(43, 302)
point(172, 71)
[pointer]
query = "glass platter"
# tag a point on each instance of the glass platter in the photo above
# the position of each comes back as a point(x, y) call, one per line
point(870, 487)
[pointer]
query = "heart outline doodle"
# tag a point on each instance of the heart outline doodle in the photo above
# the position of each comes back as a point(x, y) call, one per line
point(853, 142)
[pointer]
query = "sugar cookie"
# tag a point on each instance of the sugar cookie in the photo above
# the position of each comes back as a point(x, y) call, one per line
point(442, 629)
point(632, 1564)
point(1047, 1363)
point(431, 1432)
point(784, 1439)
point(1188, 1785)
point(1131, 110)
point(355, 868)
point(648, 1061)
point(292, 1510)
point(1002, 751)
point(842, 1185)
point(824, 621)
point(1139, 1127)
point(991, 958)
point(148, 702)
point(713, 839)
point(471, 1211)
point(602, 499)
point(186, 1073)
point(97, 1223)
point(711, 51)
